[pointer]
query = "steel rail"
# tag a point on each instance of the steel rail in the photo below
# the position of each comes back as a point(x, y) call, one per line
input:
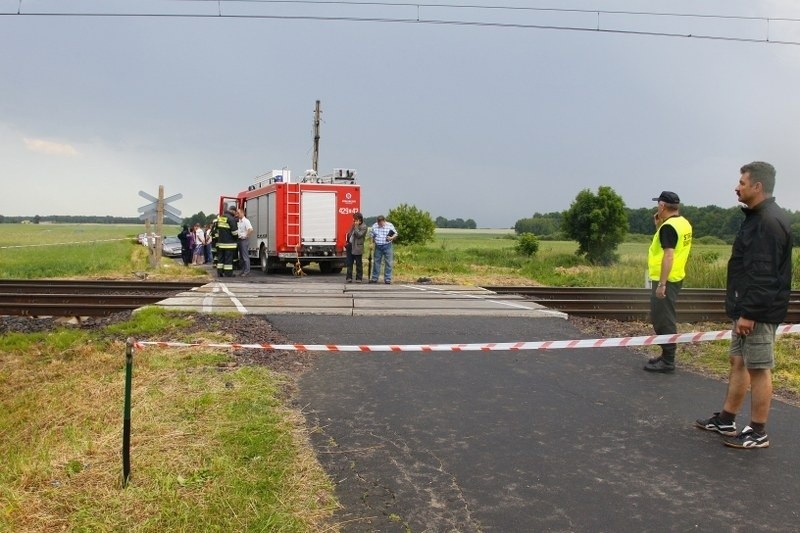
point(693, 305)
point(82, 286)
point(82, 297)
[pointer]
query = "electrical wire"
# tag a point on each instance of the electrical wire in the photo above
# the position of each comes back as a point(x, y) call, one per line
point(442, 22)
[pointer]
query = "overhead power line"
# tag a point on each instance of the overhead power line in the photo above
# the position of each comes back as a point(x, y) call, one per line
point(601, 25)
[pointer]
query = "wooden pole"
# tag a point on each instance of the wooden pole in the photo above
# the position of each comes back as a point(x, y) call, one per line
point(159, 224)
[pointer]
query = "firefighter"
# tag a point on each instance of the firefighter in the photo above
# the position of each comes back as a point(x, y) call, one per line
point(227, 239)
point(214, 238)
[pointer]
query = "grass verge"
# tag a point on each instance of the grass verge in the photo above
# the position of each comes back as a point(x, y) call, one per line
point(214, 446)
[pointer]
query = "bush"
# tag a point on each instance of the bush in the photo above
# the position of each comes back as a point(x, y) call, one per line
point(598, 223)
point(413, 225)
point(527, 244)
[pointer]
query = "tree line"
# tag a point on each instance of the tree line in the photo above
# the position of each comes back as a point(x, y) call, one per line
point(600, 222)
point(709, 221)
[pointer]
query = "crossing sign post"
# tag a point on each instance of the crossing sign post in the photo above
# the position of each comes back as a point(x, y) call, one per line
point(155, 212)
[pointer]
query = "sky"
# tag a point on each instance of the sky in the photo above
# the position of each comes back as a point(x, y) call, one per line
point(491, 114)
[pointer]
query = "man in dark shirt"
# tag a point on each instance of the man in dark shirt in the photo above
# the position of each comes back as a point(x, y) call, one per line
point(227, 241)
point(757, 300)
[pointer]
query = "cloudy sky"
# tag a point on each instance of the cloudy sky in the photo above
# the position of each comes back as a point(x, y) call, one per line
point(492, 113)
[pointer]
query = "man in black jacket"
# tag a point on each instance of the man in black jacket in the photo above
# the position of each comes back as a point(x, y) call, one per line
point(227, 240)
point(757, 299)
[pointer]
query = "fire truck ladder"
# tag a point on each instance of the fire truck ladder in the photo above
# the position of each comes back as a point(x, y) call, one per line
point(293, 215)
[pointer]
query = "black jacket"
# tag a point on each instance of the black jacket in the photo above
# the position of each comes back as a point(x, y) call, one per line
point(760, 267)
point(227, 231)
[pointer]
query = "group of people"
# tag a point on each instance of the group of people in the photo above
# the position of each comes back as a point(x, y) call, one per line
point(382, 234)
point(220, 243)
point(757, 295)
point(195, 244)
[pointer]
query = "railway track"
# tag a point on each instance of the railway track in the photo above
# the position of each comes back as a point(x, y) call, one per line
point(82, 297)
point(102, 298)
point(694, 305)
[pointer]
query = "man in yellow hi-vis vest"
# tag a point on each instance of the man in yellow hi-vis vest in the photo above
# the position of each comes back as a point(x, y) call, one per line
point(666, 266)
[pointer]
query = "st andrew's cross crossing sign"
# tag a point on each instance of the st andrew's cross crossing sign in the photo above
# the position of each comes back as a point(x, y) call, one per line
point(150, 211)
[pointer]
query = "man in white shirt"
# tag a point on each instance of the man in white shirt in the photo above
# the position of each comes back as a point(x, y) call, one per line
point(198, 254)
point(245, 229)
point(383, 234)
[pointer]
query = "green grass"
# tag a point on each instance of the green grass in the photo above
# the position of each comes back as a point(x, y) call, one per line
point(479, 256)
point(213, 446)
point(34, 251)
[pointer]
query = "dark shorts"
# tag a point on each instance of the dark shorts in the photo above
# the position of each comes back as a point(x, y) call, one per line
point(756, 348)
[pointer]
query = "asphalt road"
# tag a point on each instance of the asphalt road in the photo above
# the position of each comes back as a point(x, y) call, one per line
point(565, 440)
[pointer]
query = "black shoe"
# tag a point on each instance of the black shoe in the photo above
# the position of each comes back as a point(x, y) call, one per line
point(715, 424)
point(348, 280)
point(660, 366)
point(388, 282)
point(373, 281)
point(748, 439)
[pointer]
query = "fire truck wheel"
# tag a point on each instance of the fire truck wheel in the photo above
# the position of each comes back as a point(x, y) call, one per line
point(262, 256)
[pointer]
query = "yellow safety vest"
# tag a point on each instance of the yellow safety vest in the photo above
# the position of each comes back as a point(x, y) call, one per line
point(655, 254)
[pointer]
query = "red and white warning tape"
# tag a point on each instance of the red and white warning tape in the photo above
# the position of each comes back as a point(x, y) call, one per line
point(486, 347)
point(61, 243)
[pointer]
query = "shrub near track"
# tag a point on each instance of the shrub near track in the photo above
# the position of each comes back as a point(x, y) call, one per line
point(214, 446)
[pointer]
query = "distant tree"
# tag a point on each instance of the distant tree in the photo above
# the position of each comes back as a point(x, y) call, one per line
point(413, 225)
point(641, 220)
point(37, 219)
point(796, 233)
point(547, 224)
point(199, 218)
point(598, 223)
point(442, 222)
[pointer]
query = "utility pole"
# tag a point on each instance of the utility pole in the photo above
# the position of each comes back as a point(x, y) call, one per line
point(315, 160)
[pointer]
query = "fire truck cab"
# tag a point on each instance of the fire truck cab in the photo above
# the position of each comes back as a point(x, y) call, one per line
point(303, 221)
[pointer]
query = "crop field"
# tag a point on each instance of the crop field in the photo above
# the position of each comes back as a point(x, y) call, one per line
point(489, 257)
point(32, 251)
point(458, 256)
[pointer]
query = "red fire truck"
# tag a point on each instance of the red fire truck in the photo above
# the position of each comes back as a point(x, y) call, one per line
point(299, 222)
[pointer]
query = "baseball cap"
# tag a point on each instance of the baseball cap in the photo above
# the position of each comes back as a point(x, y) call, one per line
point(668, 197)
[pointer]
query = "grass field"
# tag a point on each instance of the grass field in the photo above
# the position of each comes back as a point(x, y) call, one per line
point(489, 257)
point(31, 251)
